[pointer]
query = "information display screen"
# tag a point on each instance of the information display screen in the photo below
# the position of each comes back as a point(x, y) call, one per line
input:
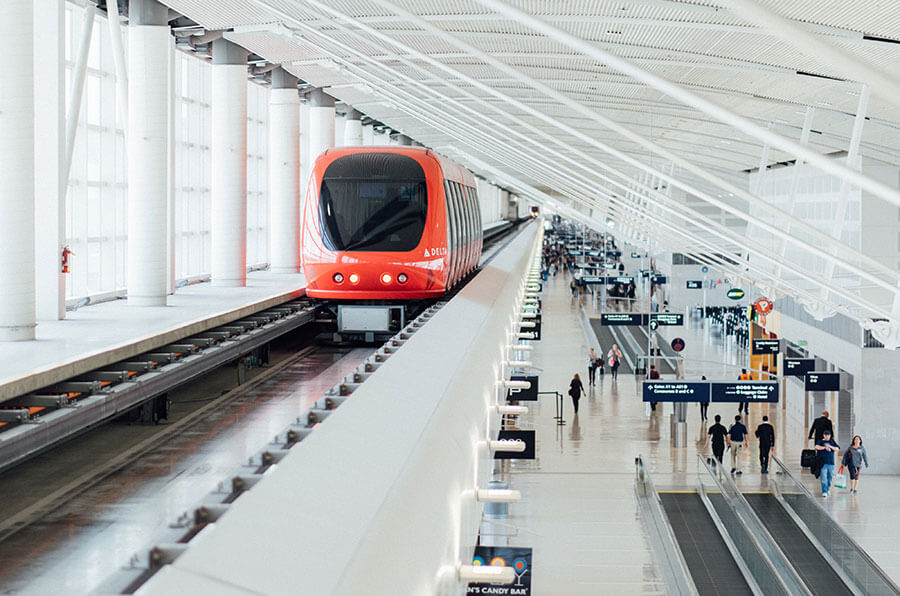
point(680, 391)
point(766, 346)
point(749, 391)
point(621, 318)
point(668, 318)
point(694, 284)
point(798, 367)
point(822, 381)
point(593, 279)
point(620, 280)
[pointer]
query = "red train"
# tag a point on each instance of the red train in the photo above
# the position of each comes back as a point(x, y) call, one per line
point(387, 224)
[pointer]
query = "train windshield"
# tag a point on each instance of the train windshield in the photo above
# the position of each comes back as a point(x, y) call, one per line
point(373, 202)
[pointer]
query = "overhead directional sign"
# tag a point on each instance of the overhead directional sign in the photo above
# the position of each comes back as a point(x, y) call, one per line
point(623, 280)
point(593, 279)
point(668, 318)
point(822, 381)
point(749, 391)
point(682, 391)
point(798, 367)
point(735, 293)
point(622, 318)
point(659, 279)
point(766, 346)
point(694, 284)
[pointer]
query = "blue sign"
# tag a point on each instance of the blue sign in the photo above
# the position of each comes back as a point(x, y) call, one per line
point(705, 269)
point(749, 391)
point(680, 391)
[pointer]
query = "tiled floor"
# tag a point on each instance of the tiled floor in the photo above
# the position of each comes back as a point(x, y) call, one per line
point(578, 508)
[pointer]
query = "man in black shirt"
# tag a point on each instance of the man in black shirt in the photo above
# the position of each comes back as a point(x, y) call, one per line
point(717, 434)
point(737, 435)
point(766, 435)
point(819, 426)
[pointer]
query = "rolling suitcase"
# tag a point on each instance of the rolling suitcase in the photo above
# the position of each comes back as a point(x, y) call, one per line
point(807, 456)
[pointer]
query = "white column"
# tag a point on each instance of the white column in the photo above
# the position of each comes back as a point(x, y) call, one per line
point(284, 175)
point(17, 316)
point(148, 153)
point(49, 185)
point(353, 129)
point(368, 135)
point(321, 124)
point(229, 165)
point(304, 151)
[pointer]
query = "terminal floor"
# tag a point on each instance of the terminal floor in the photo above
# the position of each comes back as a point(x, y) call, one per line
point(92, 330)
point(578, 508)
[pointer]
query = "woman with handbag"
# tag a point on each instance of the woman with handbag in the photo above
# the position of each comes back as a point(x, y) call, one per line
point(614, 356)
point(854, 458)
point(575, 390)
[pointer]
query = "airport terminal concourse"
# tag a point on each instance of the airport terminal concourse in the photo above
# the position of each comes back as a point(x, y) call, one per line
point(493, 297)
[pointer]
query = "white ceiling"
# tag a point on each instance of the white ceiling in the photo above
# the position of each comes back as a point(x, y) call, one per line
point(532, 110)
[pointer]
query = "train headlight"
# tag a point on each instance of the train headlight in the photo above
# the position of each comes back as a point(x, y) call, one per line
point(402, 278)
point(385, 278)
point(354, 278)
point(338, 278)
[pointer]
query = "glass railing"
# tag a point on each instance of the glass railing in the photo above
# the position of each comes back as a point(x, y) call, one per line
point(662, 539)
point(851, 560)
point(760, 555)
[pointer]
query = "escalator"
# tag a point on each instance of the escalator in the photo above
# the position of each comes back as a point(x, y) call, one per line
point(708, 558)
point(663, 364)
point(607, 339)
point(812, 567)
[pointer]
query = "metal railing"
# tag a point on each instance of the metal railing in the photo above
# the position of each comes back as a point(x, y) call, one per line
point(851, 561)
point(662, 540)
point(763, 559)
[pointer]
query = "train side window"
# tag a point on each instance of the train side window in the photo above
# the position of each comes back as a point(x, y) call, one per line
point(451, 231)
point(479, 223)
point(469, 229)
point(460, 231)
point(473, 257)
point(464, 241)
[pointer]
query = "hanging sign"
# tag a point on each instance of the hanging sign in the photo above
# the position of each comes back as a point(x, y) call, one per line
point(694, 284)
point(765, 346)
point(763, 306)
point(735, 293)
point(519, 558)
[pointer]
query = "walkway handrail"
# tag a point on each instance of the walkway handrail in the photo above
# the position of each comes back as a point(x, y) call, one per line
point(662, 539)
point(768, 564)
point(853, 562)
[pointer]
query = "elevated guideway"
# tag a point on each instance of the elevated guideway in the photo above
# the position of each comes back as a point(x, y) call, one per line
point(389, 480)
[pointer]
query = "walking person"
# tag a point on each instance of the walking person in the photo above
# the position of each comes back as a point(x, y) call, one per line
point(737, 438)
point(704, 405)
point(744, 405)
point(614, 356)
point(592, 366)
point(853, 459)
point(826, 448)
point(819, 426)
point(575, 390)
point(765, 432)
point(716, 435)
point(653, 375)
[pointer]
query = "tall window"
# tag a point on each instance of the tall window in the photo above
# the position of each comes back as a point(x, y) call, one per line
point(96, 224)
point(257, 175)
point(193, 169)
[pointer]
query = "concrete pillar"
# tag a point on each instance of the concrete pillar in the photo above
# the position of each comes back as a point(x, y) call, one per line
point(353, 130)
point(304, 151)
point(49, 183)
point(284, 174)
point(17, 316)
point(339, 127)
point(321, 124)
point(368, 135)
point(148, 153)
point(229, 164)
